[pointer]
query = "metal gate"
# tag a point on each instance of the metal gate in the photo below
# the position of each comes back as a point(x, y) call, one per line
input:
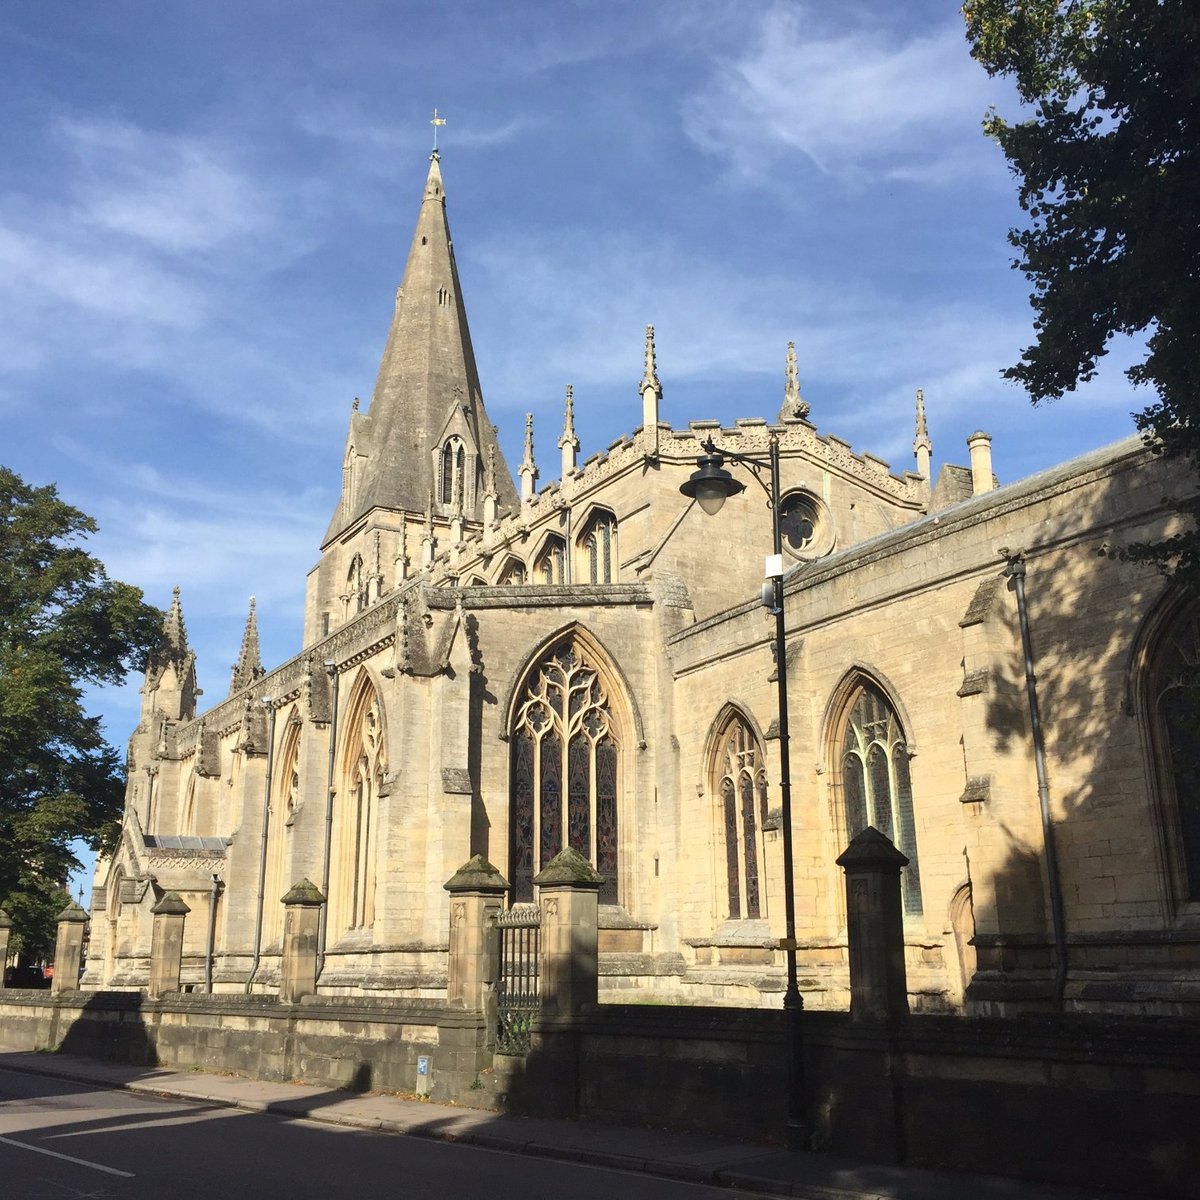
point(518, 933)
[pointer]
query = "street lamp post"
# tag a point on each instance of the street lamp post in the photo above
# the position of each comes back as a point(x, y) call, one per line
point(710, 485)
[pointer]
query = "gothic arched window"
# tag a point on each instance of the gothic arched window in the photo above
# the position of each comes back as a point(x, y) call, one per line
point(565, 771)
point(740, 785)
point(356, 813)
point(513, 574)
point(875, 781)
point(599, 544)
point(1174, 705)
point(285, 795)
point(550, 565)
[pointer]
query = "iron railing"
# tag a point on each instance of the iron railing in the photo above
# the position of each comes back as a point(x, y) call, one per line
point(518, 992)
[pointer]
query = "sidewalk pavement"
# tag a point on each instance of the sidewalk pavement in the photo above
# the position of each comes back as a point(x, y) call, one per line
point(698, 1158)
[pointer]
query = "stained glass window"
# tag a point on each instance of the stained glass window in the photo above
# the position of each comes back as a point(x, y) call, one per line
point(741, 784)
point(565, 772)
point(876, 784)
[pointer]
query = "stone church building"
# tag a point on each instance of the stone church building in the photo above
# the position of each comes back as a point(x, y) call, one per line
point(497, 666)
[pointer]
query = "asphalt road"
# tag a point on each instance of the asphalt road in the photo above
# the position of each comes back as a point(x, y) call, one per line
point(68, 1141)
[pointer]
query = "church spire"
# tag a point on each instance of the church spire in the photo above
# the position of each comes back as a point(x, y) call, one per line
point(427, 393)
point(569, 442)
point(248, 669)
point(795, 408)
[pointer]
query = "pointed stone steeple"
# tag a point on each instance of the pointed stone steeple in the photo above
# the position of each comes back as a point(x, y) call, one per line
point(170, 689)
point(427, 394)
point(922, 446)
point(569, 442)
point(528, 469)
point(795, 408)
point(174, 630)
point(248, 669)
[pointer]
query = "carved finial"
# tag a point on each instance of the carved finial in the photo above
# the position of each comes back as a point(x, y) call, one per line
point(568, 433)
point(528, 468)
point(922, 446)
point(569, 442)
point(489, 473)
point(650, 378)
point(248, 669)
point(794, 406)
point(173, 627)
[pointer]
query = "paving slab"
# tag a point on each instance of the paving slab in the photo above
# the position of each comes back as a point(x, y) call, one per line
point(696, 1157)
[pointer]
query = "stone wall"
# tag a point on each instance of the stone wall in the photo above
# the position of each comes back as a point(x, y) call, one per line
point(1094, 1101)
point(363, 1045)
point(1085, 1100)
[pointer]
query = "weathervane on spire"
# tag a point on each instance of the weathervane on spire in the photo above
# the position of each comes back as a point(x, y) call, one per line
point(437, 120)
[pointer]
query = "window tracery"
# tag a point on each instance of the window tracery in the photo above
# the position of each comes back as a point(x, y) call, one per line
point(356, 818)
point(550, 565)
point(876, 783)
point(599, 546)
point(453, 474)
point(565, 772)
point(285, 793)
point(741, 788)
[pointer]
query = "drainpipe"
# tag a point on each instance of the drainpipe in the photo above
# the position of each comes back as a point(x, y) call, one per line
point(262, 854)
point(213, 896)
point(331, 667)
point(1016, 572)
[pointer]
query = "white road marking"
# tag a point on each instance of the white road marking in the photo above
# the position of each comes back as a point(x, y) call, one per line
point(220, 1114)
point(82, 1162)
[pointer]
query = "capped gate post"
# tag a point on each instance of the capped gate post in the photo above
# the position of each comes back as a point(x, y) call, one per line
point(568, 889)
point(875, 927)
point(68, 948)
point(301, 926)
point(476, 895)
point(166, 944)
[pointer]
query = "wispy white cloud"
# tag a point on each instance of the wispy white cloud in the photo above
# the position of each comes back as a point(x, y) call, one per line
point(177, 193)
point(861, 104)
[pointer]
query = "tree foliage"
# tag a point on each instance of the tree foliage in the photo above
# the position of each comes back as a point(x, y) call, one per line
point(63, 624)
point(1109, 176)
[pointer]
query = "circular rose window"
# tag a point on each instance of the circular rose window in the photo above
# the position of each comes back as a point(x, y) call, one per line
point(805, 525)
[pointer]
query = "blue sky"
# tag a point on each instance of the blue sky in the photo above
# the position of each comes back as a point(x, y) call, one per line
point(205, 210)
